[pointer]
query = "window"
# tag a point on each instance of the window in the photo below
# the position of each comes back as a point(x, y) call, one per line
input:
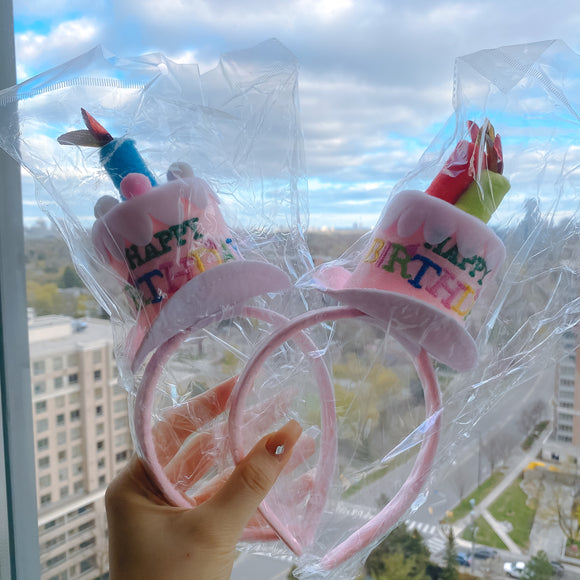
point(97, 375)
point(44, 481)
point(100, 445)
point(42, 425)
point(75, 415)
point(101, 463)
point(58, 382)
point(39, 388)
point(119, 406)
point(99, 393)
point(77, 469)
point(75, 433)
point(88, 564)
point(97, 356)
point(60, 420)
point(38, 367)
point(61, 437)
point(42, 444)
point(52, 562)
point(99, 411)
point(54, 523)
point(40, 407)
point(63, 492)
point(45, 499)
point(120, 423)
point(79, 487)
point(43, 462)
point(63, 474)
point(61, 456)
point(100, 428)
point(72, 360)
point(102, 481)
point(73, 379)
point(121, 440)
point(57, 363)
point(76, 451)
point(74, 398)
point(59, 402)
point(122, 456)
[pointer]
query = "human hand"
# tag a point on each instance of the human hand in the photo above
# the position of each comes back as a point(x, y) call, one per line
point(151, 539)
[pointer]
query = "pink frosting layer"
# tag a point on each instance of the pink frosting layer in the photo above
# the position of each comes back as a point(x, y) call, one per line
point(427, 249)
point(160, 240)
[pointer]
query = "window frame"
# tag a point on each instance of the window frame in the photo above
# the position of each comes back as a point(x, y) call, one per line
point(19, 551)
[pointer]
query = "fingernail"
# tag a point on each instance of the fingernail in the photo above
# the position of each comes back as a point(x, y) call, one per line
point(280, 444)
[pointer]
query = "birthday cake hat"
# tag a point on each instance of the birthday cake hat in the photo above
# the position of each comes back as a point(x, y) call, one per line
point(431, 254)
point(169, 244)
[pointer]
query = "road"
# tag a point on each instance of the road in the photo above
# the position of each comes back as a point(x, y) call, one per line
point(460, 478)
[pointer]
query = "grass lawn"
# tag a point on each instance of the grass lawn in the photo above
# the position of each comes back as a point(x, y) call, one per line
point(572, 548)
point(485, 535)
point(511, 507)
point(464, 507)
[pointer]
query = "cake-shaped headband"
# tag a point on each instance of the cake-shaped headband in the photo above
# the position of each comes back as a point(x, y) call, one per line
point(169, 244)
point(430, 256)
point(178, 264)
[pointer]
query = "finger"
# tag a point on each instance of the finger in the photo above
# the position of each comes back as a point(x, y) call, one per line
point(180, 422)
point(192, 462)
point(304, 449)
point(253, 478)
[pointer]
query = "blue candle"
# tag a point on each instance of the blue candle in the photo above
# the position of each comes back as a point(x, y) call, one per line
point(120, 157)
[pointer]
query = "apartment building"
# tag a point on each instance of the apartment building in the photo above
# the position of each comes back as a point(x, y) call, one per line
point(82, 439)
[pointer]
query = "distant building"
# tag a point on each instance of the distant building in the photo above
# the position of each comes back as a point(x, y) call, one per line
point(82, 439)
point(567, 419)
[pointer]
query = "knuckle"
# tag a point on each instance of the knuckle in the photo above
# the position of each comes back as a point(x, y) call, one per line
point(255, 479)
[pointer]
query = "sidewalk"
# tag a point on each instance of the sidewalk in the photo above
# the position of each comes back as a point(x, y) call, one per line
point(520, 460)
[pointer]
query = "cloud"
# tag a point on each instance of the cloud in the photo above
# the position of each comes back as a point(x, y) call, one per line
point(376, 75)
point(64, 41)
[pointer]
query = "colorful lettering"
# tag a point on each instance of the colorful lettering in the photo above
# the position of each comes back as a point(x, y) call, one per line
point(445, 283)
point(133, 257)
point(375, 250)
point(400, 256)
point(146, 278)
point(469, 291)
point(425, 265)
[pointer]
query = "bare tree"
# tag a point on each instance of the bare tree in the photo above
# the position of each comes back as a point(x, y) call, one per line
point(531, 415)
point(568, 513)
point(496, 448)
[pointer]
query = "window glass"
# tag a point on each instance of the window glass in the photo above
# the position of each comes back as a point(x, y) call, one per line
point(39, 387)
point(38, 367)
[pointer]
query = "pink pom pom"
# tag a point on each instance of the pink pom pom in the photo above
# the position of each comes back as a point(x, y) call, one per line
point(134, 184)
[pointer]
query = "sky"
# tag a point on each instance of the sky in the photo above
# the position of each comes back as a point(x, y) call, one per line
point(376, 76)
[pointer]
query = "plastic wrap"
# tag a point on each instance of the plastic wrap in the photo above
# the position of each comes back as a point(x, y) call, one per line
point(467, 281)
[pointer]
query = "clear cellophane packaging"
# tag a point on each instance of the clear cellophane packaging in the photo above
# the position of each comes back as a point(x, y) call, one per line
point(202, 267)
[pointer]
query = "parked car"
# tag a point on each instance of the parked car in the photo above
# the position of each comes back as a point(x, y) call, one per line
point(463, 559)
point(558, 568)
point(514, 569)
point(484, 554)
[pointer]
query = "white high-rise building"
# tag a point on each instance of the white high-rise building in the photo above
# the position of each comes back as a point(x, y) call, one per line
point(82, 440)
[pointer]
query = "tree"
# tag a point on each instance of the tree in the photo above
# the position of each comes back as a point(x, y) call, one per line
point(531, 415)
point(450, 570)
point(496, 448)
point(568, 512)
point(70, 278)
point(538, 567)
point(400, 556)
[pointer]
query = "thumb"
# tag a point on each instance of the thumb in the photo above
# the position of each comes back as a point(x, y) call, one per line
point(254, 476)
